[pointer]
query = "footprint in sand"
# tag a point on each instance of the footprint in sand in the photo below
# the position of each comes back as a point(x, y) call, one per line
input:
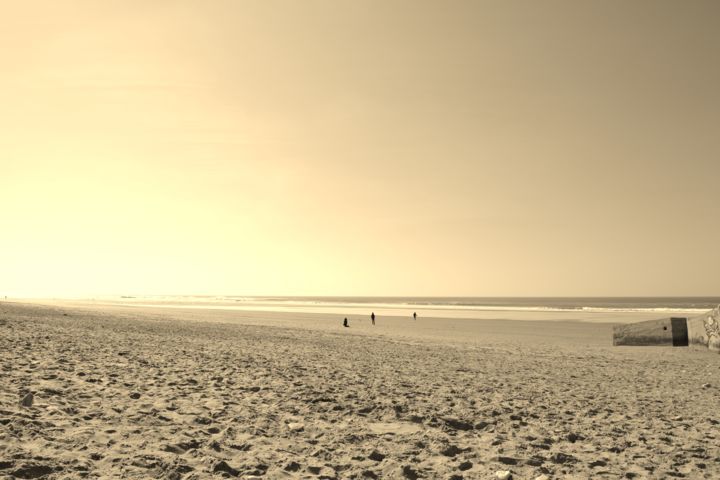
point(395, 428)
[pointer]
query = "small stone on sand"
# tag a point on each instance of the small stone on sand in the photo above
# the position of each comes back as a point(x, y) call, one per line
point(503, 475)
point(296, 427)
point(27, 400)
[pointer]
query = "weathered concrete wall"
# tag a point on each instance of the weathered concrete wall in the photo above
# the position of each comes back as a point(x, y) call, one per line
point(650, 332)
point(705, 329)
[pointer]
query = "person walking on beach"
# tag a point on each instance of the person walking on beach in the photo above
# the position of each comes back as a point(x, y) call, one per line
point(372, 317)
point(414, 315)
point(345, 324)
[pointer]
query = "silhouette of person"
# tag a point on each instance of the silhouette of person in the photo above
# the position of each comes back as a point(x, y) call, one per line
point(414, 315)
point(345, 323)
point(372, 317)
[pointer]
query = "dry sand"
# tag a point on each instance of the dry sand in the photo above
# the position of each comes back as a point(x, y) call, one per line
point(127, 392)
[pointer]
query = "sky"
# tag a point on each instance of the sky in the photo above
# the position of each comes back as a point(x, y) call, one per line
point(409, 148)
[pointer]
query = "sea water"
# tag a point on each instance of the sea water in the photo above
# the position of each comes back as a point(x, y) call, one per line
point(595, 309)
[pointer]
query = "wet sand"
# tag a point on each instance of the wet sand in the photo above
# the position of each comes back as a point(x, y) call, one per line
point(133, 392)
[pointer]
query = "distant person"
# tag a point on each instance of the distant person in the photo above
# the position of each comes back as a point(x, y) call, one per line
point(345, 324)
point(372, 317)
point(414, 315)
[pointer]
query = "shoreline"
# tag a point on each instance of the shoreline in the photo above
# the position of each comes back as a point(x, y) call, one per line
point(592, 315)
point(569, 332)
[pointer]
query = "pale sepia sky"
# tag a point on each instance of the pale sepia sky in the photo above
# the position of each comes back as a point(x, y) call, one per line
point(360, 147)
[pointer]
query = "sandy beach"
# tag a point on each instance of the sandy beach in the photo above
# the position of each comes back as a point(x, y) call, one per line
point(133, 392)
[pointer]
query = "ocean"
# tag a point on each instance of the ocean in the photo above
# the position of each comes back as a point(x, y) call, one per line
point(593, 309)
point(533, 303)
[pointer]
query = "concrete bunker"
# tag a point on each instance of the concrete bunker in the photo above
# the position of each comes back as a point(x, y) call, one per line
point(674, 331)
point(665, 331)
